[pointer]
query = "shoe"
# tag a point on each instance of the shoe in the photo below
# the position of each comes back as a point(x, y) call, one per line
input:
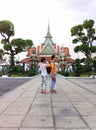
point(53, 91)
point(45, 92)
point(42, 91)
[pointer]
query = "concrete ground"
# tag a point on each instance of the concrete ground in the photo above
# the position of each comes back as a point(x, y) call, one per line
point(73, 107)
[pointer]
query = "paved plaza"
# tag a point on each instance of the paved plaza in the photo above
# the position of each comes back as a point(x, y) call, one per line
point(73, 107)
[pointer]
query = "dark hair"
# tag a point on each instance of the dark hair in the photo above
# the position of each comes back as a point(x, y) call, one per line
point(42, 59)
point(53, 56)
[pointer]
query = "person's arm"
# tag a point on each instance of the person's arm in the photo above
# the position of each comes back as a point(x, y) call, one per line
point(47, 64)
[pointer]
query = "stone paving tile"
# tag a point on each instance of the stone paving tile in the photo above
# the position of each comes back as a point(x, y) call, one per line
point(91, 121)
point(41, 104)
point(73, 129)
point(10, 121)
point(89, 96)
point(37, 129)
point(29, 94)
point(41, 95)
point(8, 128)
point(21, 104)
point(76, 98)
point(65, 112)
point(38, 121)
point(43, 98)
point(16, 111)
point(93, 101)
point(24, 100)
point(40, 111)
point(72, 122)
point(59, 97)
point(83, 104)
point(88, 111)
point(57, 104)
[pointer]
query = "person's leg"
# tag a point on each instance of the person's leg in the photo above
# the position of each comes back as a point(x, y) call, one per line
point(42, 83)
point(45, 85)
point(52, 85)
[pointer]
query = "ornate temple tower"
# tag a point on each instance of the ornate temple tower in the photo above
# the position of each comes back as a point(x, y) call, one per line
point(48, 48)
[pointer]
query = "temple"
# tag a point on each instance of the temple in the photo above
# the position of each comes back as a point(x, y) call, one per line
point(48, 48)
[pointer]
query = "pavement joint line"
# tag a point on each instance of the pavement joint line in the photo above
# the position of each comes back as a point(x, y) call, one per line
point(82, 87)
point(85, 121)
point(14, 100)
point(79, 84)
point(54, 123)
point(29, 107)
point(74, 106)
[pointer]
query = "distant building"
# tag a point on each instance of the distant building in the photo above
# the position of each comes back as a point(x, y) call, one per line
point(46, 49)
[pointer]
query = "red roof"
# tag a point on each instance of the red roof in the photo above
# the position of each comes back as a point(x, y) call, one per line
point(70, 60)
point(26, 60)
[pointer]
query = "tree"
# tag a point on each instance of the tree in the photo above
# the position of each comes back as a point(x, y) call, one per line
point(77, 67)
point(84, 34)
point(6, 30)
point(15, 46)
point(1, 54)
point(33, 67)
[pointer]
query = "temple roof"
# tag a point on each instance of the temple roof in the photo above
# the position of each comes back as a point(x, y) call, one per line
point(48, 45)
point(48, 49)
point(48, 35)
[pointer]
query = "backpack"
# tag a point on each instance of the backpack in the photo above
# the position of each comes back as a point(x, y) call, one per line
point(48, 69)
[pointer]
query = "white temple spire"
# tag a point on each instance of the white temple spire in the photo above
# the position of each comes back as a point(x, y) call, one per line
point(48, 35)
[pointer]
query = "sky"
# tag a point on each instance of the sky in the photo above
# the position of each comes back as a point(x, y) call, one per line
point(30, 18)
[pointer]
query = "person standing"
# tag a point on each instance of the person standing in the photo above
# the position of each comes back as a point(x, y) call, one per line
point(53, 74)
point(44, 75)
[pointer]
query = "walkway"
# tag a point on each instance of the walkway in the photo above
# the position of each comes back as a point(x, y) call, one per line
point(73, 107)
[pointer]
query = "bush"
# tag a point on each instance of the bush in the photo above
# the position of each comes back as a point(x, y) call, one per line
point(66, 73)
point(0, 73)
point(32, 73)
point(15, 69)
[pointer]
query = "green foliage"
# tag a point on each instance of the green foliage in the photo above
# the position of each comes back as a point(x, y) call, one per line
point(20, 45)
point(14, 46)
point(64, 73)
point(15, 69)
point(7, 47)
point(76, 30)
point(0, 73)
point(78, 67)
point(77, 49)
point(6, 27)
point(93, 49)
point(84, 47)
point(88, 24)
point(1, 54)
point(75, 41)
point(84, 34)
point(32, 73)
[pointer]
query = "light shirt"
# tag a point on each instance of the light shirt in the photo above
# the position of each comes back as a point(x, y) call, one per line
point(43, 69)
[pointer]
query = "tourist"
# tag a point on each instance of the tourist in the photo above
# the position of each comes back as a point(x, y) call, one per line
point(53, 74)
point(44, 75)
